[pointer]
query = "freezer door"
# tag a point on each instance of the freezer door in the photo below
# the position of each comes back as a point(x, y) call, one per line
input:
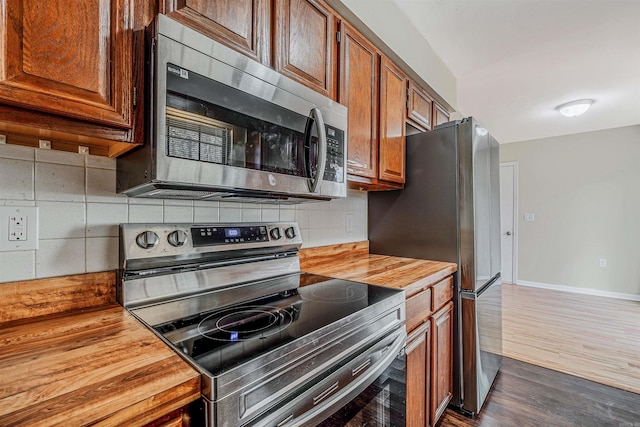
point(481, 330)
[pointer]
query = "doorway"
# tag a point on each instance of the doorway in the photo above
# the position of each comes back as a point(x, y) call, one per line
point(508, 221)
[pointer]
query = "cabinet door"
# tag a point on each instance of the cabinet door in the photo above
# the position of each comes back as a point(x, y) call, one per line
point(419, 107)
point(359, 85)
point(393, 85)
point(243, 25)
point(305, 43)
point(441, 387)
point(72, 59)
point(418, 352)
point(440, 115)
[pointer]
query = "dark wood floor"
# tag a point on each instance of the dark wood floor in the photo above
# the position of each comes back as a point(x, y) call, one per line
point(526, 395)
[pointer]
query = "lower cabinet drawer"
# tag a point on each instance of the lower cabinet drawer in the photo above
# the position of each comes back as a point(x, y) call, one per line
point(418, 309)
point(442, 293)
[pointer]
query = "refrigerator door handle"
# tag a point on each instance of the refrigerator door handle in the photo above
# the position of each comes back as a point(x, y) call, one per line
point(476, 294)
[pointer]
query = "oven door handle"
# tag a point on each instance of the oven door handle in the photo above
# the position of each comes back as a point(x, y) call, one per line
point(332, 398)
point(314, 182)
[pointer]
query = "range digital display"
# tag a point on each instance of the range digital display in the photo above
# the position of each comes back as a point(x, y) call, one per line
point(231, 232)
point(211, 235)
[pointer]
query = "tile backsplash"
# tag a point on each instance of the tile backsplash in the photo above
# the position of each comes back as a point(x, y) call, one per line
point(80, 212)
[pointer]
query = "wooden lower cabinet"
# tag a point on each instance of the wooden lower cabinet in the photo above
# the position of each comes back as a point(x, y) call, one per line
point(419, 376)
point(442, 353)
point(429, 354)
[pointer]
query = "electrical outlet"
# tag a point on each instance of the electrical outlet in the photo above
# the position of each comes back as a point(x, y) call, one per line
point(602, 262)
point(18, 228)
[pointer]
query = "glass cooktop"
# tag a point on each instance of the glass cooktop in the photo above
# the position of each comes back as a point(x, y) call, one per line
point(225, 333)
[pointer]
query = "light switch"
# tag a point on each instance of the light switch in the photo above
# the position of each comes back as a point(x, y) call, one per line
point(18, 228)
point(529, 217)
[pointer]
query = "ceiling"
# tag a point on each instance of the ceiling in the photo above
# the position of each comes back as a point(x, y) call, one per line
point(516, 60)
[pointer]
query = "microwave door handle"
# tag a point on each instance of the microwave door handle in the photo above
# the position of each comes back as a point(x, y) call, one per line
point(314, 183)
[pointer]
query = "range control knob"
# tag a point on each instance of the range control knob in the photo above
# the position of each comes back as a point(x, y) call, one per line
point(275, 233)
point(290, 232)
point(147, 239)
point(177, 238)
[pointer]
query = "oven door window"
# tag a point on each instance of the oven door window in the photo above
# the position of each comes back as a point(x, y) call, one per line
point(210, 122)
point(383, 403)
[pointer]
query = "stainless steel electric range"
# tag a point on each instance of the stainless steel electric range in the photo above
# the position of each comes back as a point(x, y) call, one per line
point(275, 346)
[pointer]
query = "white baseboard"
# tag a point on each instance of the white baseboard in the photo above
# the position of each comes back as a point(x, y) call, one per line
point(595, 292)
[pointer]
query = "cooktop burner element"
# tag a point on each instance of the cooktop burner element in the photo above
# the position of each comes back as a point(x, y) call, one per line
point(249, 323)
point(262, 333)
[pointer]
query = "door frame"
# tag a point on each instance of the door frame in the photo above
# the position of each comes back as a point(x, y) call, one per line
point(514, 252)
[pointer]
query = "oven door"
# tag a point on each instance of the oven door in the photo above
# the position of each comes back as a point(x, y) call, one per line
point(383, 403)
point(368, 389)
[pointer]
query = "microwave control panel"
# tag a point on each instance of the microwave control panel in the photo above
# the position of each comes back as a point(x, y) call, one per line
point(334, 170)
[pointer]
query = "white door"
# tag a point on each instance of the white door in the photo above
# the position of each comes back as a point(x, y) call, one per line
point(508, 214)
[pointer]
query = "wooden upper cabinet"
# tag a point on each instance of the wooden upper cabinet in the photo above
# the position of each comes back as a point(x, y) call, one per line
point(440, 115)
point(393, 83)
point(419, 107)
point(305, 43)
point(243, 25)
point(72, 59)
point(359, 90)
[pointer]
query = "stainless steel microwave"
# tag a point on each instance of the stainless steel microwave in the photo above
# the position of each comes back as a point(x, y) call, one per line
point(221, 126)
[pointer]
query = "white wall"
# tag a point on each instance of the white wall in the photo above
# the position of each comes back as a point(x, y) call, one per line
point(80, 211)
point(584, 190)
point(393, 27)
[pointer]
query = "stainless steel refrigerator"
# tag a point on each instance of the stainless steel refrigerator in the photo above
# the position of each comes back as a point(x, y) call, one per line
point(449, 210)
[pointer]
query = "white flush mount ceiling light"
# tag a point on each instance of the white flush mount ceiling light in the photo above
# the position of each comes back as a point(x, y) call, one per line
point(575, 108)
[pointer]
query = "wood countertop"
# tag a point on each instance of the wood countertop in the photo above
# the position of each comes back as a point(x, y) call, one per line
point(89, 366)
point(71, 356)
point(352, 261)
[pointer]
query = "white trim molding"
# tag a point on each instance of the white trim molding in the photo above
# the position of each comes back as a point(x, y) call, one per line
point(586, 291)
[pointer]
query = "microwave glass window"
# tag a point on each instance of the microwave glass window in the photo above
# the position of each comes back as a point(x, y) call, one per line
point(227, 126)
point(197, 130)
